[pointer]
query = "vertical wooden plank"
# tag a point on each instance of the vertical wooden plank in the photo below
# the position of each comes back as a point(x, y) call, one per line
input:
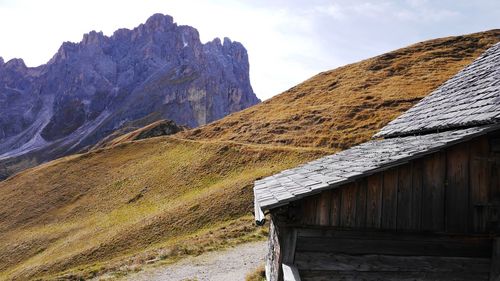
point(433, 192)
point(374, 201)
point(390, 199)
point(309, 210)
point(360, 221)
point(323, 217)
point(495, 178)
point(304, 211)
point(495, 260)
point(348, 206)
point(457, 189)
point(416, 199)
point(335, 207)
point(479, 178)
point(404, 216)
point(493, 224)
point(288, 244)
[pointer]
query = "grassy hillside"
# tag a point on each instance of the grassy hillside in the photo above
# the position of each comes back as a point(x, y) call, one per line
point(140, 201)
point(347, 105)
point(86, 209)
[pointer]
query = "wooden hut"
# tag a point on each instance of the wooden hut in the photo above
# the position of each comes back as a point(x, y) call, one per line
point(421, 201)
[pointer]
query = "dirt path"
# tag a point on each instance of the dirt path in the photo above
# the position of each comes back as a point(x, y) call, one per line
point(232, 264)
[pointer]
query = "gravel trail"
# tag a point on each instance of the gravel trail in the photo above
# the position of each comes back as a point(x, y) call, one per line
point(229, 265)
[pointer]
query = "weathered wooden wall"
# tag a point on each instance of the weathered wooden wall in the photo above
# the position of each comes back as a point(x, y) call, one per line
point(346, 255)
point(456, 190)
point(433, 218)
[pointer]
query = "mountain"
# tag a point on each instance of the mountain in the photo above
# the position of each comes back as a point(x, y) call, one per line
point(116, 209)
point(91, 88)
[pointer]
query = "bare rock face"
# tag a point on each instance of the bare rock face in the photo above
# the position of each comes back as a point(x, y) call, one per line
point(90, 89)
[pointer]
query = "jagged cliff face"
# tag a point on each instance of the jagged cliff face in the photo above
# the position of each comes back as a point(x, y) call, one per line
point(89, 89)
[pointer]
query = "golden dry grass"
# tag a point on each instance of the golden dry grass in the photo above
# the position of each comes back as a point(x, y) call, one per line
point(111, 210)
point(87, 209)
point(258, 274)
point(347, 105)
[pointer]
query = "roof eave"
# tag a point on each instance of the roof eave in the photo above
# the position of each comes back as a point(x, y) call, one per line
point(259, 214)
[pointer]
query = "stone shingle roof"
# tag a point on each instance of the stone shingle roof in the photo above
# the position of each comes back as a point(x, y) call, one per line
point(470, 98)
point(359, 161)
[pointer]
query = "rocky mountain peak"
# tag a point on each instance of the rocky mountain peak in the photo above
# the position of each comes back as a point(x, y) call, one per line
point(1, 61)
point(121, 33)
point(227, 41)
point(93, 38)
point(90, 89)
point(159, 23)
point(15, 64)
point(63, 52)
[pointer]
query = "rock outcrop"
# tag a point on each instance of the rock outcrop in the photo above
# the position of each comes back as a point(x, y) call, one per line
point(90, 89)
point(155, 129)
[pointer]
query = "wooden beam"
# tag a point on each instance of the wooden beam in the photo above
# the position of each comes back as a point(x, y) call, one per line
point(290, 273)
point(334, 232)
point(364, 243)
point(390, 263)
point(452, 248)
point(319, 275)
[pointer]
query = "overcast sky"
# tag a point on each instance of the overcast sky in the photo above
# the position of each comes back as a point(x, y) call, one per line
point(287, 40)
